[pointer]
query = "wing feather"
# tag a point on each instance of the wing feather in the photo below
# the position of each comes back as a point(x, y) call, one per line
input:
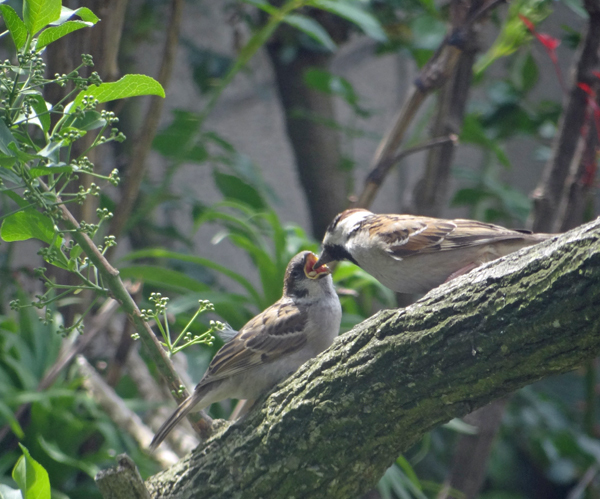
point(277, 331)
point(403, 236)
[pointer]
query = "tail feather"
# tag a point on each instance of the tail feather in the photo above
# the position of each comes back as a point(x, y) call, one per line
point(174, 419)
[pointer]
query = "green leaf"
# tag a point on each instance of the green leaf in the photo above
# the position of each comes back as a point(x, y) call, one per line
point(7, 493)
point(39, 13)
point(83, 12)
point(59, 456)
point(128, 86)
point(172, 141)
point(529, 73)
point(12, 422)
point(474, 133)
point(332, 84)
point(162, 253)
point(10, 176)
point(233, 187)
point(49, 170)
point(50, 35)
point(31, 477)
point(89, 121)
point(7, 161)
point(25, 225)
point(514, 33)
point(20, 202)
point(17, 28)
point(311, 28)
point(6, 138)
point(364, 20)
point(153, 274)
point(39, 115)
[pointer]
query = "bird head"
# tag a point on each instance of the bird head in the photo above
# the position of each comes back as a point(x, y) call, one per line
point(303, 277)
point(340, 230)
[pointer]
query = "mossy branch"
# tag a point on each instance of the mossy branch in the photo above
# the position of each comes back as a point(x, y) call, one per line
point(333, 428)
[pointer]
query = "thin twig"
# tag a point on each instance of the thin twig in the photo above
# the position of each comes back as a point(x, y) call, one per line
point(118, 291)
point(431, 77)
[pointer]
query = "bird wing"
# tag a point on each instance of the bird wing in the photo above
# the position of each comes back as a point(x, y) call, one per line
point(279, 330)
point(404, 235)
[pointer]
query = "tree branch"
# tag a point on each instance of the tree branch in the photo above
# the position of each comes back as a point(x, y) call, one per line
point(434, 74)
point(333, 428)
point(119, 292)
point(548, 192)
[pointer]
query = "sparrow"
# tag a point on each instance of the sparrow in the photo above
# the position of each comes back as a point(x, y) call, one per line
point(412, 254)
point(272, 345)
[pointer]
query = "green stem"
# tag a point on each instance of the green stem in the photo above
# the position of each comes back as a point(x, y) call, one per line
point(189, 324)
point(110, 276)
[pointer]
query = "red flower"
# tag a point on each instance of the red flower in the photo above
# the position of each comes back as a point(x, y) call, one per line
point(550, 44)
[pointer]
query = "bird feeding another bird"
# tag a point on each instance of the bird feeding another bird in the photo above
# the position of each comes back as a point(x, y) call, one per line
point(413, 254)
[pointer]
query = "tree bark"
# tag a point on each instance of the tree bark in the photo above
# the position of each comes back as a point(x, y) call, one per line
point(316, 146)
point(333, 428)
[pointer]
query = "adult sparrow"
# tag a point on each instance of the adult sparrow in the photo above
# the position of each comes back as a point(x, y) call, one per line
point(272, 345)
point(411, 254)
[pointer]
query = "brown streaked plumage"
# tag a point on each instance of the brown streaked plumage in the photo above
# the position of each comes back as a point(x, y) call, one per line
point(272, 345)
point(412, 254)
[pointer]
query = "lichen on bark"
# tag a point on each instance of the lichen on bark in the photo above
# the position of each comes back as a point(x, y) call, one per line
point(333, 428)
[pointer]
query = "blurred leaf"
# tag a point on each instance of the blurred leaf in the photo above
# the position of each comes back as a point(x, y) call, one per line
point(12, 421)
point(311, 28)
point(528, 74)
point(514, 33)
point(353, 13)
point(6, 138)
point(472, 132)
point(31, 477)
point(428, 32)
point(577, 7)
point(172, 141)
point(162, 253)
point(327, 82)
point(17, 28)
point(164, 277)
point(207, 65)
point(27, 224)
point(469, 196)
point(233, 187)
point(7, 493)
point(58, 455)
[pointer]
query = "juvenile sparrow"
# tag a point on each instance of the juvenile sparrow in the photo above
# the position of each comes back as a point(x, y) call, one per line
point(272, 345)
point(411, 254)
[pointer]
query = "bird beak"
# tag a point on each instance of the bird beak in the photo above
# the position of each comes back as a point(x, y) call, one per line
point(323, 259)
point(312, 270)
